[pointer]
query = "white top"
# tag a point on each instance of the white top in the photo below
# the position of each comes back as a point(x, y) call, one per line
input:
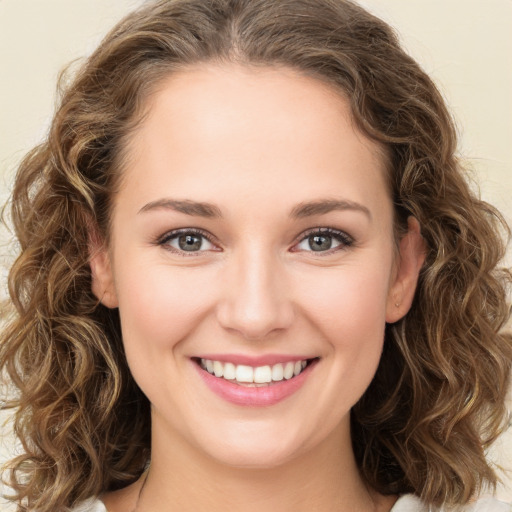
point(406, 503)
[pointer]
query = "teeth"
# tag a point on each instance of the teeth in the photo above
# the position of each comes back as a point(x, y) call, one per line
point(244, 373)
point(218, 369)
point(229, 371)
point(277, 372)
point(260, 375)
point(288, 370)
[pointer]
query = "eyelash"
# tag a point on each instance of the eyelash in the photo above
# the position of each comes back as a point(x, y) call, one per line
point(343, 238)
point(163, 241)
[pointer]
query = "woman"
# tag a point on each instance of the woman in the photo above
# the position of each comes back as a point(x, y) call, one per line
point(253, 275)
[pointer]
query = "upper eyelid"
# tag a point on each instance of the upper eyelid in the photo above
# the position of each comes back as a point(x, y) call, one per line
point(323, 229)
point(198, 231)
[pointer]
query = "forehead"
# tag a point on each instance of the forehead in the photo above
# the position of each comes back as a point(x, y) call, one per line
point(250, 127)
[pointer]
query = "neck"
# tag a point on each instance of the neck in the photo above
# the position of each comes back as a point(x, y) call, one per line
point(325, 479)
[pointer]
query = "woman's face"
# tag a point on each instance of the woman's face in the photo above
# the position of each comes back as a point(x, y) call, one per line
point(253, 235)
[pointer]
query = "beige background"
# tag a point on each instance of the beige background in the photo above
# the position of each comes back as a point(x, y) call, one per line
point(465, 45)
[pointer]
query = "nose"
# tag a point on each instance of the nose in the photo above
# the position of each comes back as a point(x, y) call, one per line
point(255, 299)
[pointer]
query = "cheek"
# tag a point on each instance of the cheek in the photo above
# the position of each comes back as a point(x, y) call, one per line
point(349, 297)
point(160, 306)
point(347, 307)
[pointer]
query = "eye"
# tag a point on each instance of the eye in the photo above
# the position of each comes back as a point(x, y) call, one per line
point(187, 241)
point(324, 240)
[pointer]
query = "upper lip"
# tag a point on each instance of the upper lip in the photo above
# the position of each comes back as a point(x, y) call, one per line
point(255, 361)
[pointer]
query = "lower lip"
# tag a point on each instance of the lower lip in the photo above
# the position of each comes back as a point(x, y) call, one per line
point(255, 396)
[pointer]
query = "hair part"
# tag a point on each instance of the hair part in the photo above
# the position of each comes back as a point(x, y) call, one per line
point(437, 400)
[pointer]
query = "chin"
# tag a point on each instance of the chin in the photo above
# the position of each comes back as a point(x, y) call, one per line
point(256, 451)
point(251, 458)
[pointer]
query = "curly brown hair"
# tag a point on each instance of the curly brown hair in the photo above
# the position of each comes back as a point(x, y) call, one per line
point(437, 400)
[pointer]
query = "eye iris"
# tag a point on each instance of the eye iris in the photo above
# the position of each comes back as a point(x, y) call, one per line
point(320, 242)
point(189, 242)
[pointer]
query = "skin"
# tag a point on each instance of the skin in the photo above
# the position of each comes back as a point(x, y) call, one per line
point(256, 145)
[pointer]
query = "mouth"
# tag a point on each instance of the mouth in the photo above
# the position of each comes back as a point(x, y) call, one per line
point(254, 376)
point(247, 385)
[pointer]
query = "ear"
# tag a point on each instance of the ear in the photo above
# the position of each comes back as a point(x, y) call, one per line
point(408, 266)
point(102, 284)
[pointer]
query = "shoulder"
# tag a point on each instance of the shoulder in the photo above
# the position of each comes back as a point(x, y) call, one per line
point(411, 503)
point(91, 505)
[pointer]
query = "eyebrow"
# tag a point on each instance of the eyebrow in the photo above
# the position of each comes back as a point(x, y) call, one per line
point(323, 206)
point(209, 210)
point(188, 207)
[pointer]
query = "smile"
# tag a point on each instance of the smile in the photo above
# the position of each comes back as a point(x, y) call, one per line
point(256, 386)
point(254, 376)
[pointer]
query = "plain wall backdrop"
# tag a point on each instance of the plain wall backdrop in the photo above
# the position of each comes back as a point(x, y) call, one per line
point(465, 45)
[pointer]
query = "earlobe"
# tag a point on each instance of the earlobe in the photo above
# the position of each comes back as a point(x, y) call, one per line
point(410, 261)
point(102, 279)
